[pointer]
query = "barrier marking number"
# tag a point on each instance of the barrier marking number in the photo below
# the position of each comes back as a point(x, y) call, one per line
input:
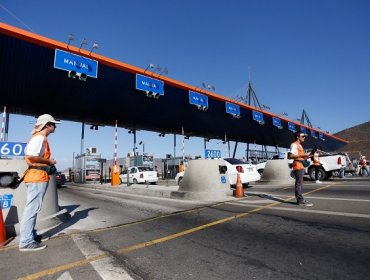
point(223, 179)
point(12, 149)
point(6, 201)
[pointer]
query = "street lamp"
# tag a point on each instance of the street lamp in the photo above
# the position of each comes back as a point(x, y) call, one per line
point(133, 131)
point(151, 66)
point(95, 46)
point(142, 143)
point(71, 37)
point(84, 42)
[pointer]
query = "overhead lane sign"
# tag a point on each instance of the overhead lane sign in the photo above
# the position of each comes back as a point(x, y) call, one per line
point(199, 100)
point(258, 117)
point(72, 62)
point(149, 84)
point(233, 109)
point(291, 127)
point(277, 122)
point(321, 136)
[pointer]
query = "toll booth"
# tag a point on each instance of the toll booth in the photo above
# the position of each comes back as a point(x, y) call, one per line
point(171, 166)
point(87, 168)
point(142, 160)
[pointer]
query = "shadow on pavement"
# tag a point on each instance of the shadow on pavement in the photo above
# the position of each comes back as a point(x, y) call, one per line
point(269, 197)
point(77, 216)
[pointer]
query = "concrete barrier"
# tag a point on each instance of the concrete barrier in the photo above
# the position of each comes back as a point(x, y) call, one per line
point(277, 171)
point(50, 214)
point(203, 181)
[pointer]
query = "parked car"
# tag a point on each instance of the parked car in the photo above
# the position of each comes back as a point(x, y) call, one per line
point(260, 166)
point(248, 172)
point(139, 174)
point(60, 179)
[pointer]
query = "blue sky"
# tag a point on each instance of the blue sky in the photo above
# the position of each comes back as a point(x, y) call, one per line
point(301, 54)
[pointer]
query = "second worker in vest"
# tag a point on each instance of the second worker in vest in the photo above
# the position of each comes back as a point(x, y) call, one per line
point(38, 158)
point(298, 155)
point(316, 163)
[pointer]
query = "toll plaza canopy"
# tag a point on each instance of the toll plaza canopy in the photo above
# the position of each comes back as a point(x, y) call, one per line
point(39, 75)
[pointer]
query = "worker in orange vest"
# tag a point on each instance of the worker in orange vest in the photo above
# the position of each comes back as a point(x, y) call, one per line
point(364, 169)
point(298, 155)
point(316, 163)
point(40, 166)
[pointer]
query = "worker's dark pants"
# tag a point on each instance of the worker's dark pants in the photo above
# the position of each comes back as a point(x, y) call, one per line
point(298, 174)
point(317, 168)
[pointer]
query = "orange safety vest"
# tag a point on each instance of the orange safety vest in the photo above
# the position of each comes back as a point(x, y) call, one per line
point(315, 159)
point(297, 165)
point(37, 175)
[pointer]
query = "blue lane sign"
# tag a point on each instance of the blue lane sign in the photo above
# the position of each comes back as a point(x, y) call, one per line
point(291, 126)
point(198, 99)
point(148, 84)
point(13, 149)
point(73, 62)
point(303, 129)
point(212, 153)
point(232, 109)
point(258, 116)
point(6, 201)
point(276, 122)
point(313, 134)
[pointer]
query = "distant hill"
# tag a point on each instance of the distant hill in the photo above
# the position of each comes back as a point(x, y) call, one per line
point(359, 137)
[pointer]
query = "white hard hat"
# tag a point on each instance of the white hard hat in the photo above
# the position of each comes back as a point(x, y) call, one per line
point(43, 120)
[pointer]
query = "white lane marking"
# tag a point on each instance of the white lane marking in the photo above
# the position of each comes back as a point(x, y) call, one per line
point(307, 210)
point(65, 276)
point(106, 267)
point(312, 197)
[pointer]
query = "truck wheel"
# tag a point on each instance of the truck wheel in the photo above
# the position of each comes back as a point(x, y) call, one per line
point(134, 181)
point(321, 176)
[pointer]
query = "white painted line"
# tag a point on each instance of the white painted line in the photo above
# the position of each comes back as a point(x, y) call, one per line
point(65, 276)
point(306, 210)
point(105, 267)
point(312, 197)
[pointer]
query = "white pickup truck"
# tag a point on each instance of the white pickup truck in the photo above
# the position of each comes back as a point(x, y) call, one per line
point(330, 163)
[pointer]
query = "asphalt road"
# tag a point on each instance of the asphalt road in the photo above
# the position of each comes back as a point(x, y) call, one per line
point(113, 235)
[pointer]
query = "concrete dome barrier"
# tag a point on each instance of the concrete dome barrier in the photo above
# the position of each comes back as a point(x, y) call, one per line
point(50, 214)
point(203, 181)
point(277, 171)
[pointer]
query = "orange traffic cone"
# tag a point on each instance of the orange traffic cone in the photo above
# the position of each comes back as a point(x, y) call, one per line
point(2, 229)
point(239, 187)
